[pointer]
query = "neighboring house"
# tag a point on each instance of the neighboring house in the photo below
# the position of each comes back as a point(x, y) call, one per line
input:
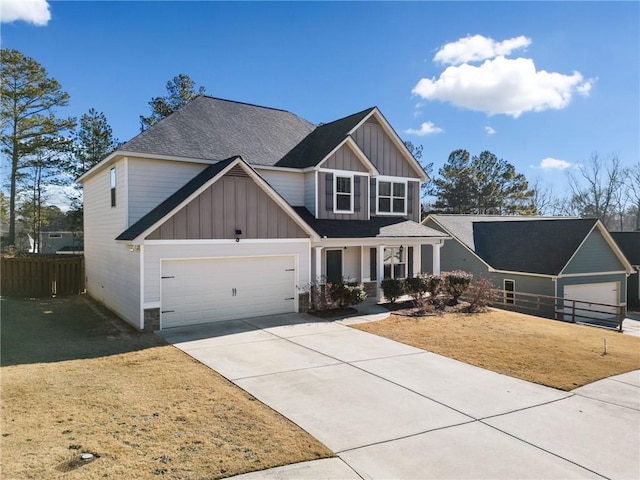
point(569, 258)
point(629, 243)
point(228, 210)
point(60, 242)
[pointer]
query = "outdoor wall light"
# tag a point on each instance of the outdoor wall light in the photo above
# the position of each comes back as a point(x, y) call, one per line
point(238, 233)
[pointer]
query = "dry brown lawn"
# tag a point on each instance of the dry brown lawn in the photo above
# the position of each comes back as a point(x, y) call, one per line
point(548, 352)
point(150, 412)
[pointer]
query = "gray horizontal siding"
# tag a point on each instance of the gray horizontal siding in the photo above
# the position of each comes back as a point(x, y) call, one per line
point(232, 203)
point(595, 255)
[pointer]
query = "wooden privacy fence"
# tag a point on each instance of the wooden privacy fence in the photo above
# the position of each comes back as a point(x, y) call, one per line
point(42, 275)
point(565, 309)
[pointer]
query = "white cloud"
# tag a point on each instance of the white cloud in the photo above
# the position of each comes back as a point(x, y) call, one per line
point(503, 86)
point(556, 164)
point(427, 128)
point(489, 130)
point(477, 48)
point(59, 196)
point(30, 11)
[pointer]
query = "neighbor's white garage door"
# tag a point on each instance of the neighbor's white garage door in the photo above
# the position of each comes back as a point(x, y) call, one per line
point(214, 290)
point(590, 294)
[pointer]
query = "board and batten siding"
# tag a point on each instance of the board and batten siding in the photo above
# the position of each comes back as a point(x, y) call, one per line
point(344, 159)
point(595, 255)
point(325, 198)
point(153, 181)
point(112, 270)
point(153, 254)
point(381, 150)
point(310, 192)
point(288, 184)
point(234, 202)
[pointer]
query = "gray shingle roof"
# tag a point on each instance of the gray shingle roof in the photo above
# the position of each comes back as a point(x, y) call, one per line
point(162, 210)
point(461, 226)
point(537, 246)
point(629, 243)
point(375, 227)
point(215, 129)
point(319, 143)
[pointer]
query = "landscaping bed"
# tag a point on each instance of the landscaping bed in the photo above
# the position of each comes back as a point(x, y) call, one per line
point(75, 380)
point(548, 352)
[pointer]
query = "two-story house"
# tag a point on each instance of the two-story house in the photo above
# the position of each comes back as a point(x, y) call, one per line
point(227, 210)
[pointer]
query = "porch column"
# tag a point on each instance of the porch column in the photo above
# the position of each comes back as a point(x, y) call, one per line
point(318, 264)
point(362, 271)
point(417, 259)
point(380, 271)
point(436, 258)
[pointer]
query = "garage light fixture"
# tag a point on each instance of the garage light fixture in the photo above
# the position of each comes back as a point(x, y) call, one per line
point(238, 233)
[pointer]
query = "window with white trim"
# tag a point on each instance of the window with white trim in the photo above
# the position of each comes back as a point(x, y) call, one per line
point(343, 188)
point(395, 263)
point(392, 197)
point(112, 180)
point(509, 292)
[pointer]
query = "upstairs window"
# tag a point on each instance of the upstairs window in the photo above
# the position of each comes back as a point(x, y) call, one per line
point(392, 197)
point(343, 194)
point(112, 180)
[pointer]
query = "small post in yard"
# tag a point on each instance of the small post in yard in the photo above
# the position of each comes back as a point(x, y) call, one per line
point(604, 351)
point(622, 312)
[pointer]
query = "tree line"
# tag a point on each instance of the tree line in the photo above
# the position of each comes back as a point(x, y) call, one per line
point(44, 148)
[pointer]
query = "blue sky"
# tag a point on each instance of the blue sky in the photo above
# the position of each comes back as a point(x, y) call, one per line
point(540, 84)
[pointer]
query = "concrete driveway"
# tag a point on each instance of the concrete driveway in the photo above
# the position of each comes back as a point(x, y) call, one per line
point(389, 410)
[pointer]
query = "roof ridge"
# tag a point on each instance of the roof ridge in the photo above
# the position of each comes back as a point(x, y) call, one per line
point(210, 97)
point(348, 116)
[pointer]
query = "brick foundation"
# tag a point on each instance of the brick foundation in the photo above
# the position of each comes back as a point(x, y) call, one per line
point(371, 289)
point(304, 303)
point(151, 319)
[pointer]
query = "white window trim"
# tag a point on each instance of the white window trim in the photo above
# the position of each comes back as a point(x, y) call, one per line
point(512, 300)
point(391, 180)
point(335, 192)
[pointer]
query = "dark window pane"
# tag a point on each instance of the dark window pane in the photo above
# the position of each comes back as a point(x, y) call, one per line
point(398, 189)
point(387, 271)
point(398, 271)
point(384, 189)
point(384, 205)
point(398, 205)
point(343, 202)
point(343, 185)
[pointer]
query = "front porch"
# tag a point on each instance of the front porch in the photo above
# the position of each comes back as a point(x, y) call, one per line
point(369, 261)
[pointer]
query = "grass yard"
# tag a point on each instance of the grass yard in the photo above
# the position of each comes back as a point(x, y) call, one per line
point(548, 352)
point(75, 379)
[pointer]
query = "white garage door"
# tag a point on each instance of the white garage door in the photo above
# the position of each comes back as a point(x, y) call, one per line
point(589, 295)
point(214, 290)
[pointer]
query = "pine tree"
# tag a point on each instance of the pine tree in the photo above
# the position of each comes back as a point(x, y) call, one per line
point(180, 90)
point(28, 102)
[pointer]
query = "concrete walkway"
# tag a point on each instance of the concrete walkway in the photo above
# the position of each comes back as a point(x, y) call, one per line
point(389, 410)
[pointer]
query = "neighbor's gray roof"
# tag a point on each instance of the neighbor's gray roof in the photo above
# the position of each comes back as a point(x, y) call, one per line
point(461, 226)
point(162, 210)
point(319, 143)
point(629, 243)
point(538, 246)
point(375, 227)
point(215, 129)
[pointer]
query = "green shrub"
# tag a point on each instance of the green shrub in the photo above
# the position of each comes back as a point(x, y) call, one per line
point(435, 284)
point(345, 294)
point(456, 283)
point(416, 287)
point(392, 288)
